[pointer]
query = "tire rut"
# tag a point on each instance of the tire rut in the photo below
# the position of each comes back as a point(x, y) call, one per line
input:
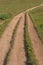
point(6, 37)
point(36, 42)
point(17, 54)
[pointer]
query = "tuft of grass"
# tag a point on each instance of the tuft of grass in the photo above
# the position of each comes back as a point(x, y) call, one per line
point(37, 18)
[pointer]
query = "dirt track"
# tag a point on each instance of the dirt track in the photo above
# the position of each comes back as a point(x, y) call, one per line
point(36, 42)
point(17, 54)
point(6, 37)
point(34, 7)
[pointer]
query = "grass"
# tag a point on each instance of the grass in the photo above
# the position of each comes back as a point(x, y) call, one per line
point(37, 18)
point(5, 16)
point(31, 59)
point(6, 19)
point(14, 7)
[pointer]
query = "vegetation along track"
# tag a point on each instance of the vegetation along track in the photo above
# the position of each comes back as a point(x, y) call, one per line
point(6, 37)
point(36, 42)
point(31, 59)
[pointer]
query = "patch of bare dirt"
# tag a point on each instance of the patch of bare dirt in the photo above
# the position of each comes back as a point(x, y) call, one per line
point(36, 42)
point(17, 54)
point(6, 37)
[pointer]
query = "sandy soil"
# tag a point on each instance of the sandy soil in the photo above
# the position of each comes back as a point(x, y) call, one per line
point(17, 54)
point(6, 37)
point(36, 42)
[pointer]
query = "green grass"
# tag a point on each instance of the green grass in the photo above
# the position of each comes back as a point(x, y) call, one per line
point(37, 18)
point(14, 7)
point(5, 16)
point(31, 55)
point(5, 19)
point(3, 26)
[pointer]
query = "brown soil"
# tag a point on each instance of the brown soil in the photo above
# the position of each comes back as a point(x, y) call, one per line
point(6, 37)
point(36, 42)
point(17, 54)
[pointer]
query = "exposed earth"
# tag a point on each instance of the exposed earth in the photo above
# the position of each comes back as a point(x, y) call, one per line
point(17, 52)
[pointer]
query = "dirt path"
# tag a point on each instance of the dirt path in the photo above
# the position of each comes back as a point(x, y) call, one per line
point(33, 8)
point(36, 42)
point(6, 37)
point(17, 54)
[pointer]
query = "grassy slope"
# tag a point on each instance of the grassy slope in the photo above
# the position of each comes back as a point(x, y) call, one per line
point(37, 17)
point(14, 7)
